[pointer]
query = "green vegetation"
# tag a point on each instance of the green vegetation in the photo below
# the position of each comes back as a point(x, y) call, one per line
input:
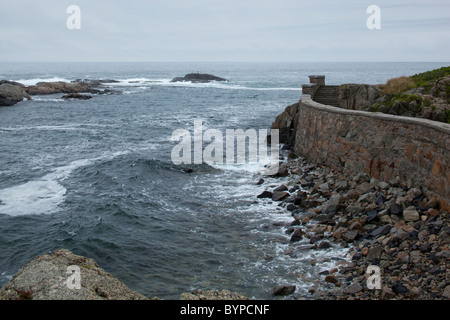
point(429, 78)
point(426, 80)
point(401, 98)
point(424, 95)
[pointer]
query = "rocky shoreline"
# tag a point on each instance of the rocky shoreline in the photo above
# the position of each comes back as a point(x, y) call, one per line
point(385, 224)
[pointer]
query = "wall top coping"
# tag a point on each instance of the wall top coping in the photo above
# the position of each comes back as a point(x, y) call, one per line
point(439, 126)
point(316, 76)
point(309, 85)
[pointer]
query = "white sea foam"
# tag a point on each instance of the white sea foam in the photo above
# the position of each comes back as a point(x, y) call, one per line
point(48, 100)
point(143, 83)
point(73, 127)
point(34, 81)
point(45, 194)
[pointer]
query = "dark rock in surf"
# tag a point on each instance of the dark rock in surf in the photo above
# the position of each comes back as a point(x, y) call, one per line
point(279, 195)
point(297, 235)
point(265, 194)
point(198, 78)
point(284, 290)
point(76, 96)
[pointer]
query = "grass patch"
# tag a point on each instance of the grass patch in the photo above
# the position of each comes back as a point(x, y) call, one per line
point(429, 78)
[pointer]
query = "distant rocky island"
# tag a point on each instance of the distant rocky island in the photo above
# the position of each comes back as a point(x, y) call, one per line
point(12, 92)
point(198, 78)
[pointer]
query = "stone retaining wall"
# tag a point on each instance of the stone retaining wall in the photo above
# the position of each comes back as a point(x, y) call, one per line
point(383, 146)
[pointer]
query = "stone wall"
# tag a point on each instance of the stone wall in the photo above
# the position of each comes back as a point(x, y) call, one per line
point(415, 151)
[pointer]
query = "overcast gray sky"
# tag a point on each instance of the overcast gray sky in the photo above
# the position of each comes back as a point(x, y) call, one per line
point(224, 30)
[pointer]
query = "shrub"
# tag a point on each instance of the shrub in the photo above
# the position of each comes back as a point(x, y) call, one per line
point(398, 85)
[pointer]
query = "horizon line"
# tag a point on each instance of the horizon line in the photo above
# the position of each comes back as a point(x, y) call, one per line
point(223, 61)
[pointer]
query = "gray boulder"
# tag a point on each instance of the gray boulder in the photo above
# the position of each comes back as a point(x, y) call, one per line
point(10, 94)
point(47, 277)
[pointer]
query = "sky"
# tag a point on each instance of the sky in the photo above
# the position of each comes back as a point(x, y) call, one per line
point(225, 30)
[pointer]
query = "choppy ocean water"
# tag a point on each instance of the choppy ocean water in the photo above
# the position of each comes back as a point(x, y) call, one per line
point(96, 176)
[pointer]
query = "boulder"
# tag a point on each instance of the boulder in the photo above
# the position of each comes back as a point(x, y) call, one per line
point(78, 96)
point(284, 290)
point(297, 235)
point(279, 195)
point(265, 194)
point(10, 94)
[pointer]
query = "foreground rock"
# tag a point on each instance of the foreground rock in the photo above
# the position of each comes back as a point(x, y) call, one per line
point(198, 78)
point(12, 93)
point(45, 278)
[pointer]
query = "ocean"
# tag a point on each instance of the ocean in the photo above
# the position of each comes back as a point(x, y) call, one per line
point(96, 176)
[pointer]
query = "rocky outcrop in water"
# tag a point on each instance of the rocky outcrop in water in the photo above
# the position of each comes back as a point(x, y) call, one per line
point(44, 88)
point(78, 96)
point(12, 93)
point(198, 78)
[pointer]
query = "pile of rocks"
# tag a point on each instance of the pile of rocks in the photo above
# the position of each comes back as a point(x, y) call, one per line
point(401, 231)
